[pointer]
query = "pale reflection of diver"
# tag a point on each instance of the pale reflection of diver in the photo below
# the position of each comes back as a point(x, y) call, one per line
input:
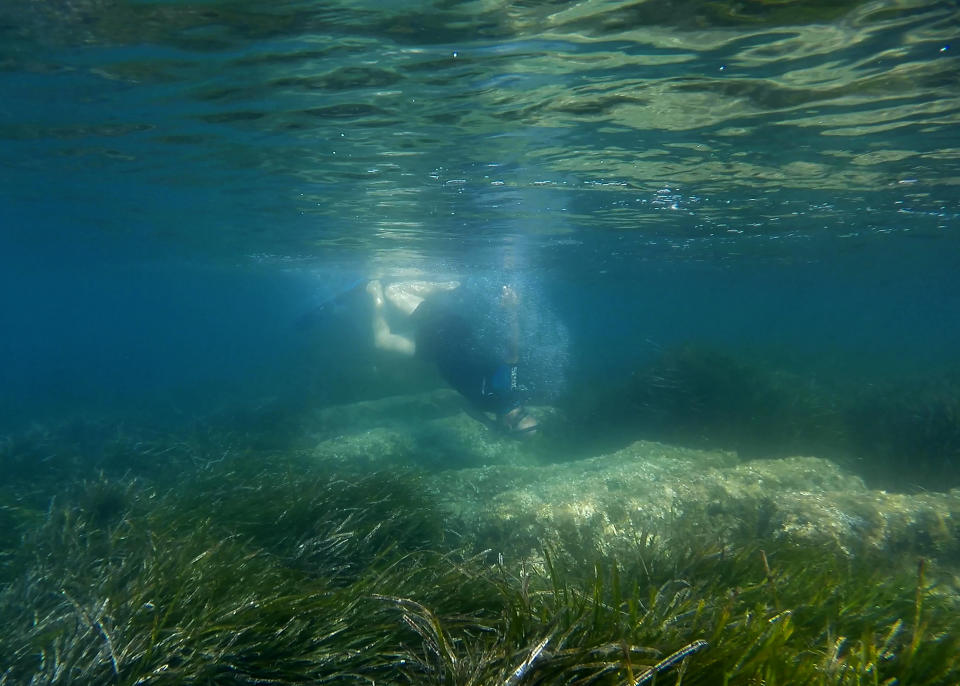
point(484, 371)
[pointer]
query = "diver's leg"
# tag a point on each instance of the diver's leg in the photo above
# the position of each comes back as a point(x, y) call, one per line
point(406, 296)
point(383, 338)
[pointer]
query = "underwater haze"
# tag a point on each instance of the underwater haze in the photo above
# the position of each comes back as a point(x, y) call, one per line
point(181, 179)
point(733, 229)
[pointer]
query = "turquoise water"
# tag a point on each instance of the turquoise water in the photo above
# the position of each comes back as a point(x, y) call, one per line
point(733, 226)
point(182, 182)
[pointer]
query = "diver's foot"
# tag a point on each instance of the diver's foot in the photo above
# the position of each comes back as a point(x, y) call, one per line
point(406, 296)
point(419, 289)
point(375, 289)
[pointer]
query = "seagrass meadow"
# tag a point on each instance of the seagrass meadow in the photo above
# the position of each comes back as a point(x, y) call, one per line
point(226, 556)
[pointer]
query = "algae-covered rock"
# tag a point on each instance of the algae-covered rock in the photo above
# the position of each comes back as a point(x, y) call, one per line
point(505, 493)
point(365, 449)
point(429, 430)
point(675, 494)
point(401, 410)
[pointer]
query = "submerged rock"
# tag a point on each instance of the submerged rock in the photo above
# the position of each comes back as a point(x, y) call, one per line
point(506, 494)
point(398, 410)
point(428, 430)
point(613, 501)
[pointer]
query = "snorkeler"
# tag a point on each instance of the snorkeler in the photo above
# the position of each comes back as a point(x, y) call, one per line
point(483, 371)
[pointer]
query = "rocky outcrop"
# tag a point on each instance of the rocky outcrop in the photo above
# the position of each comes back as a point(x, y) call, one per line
point(510, 495)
